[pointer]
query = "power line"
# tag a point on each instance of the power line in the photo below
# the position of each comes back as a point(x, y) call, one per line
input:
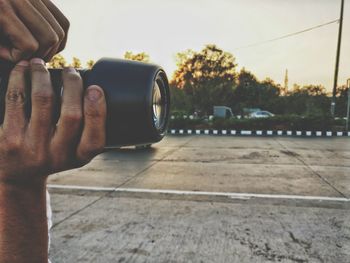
point(288, 35)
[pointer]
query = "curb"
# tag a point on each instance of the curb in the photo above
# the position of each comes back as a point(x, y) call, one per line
point(259, 133)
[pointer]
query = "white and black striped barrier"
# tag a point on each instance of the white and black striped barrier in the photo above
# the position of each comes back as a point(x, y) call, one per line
point(258, 133)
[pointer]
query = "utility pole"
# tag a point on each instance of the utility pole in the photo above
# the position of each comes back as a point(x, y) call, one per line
point(286, 82)
point(337, 59)
point(348, 111)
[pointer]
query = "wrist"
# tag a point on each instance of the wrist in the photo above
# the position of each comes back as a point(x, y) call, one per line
point(23, 224)
point(23, 183)
point(22, 195)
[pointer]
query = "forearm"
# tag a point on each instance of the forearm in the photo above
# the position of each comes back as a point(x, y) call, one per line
point(23, 223)
point(31, 149)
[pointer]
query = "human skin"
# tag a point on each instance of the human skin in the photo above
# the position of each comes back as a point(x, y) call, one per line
point(33, 148)
point(31, 28)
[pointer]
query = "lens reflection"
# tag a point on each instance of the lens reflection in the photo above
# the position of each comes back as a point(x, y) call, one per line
point(158, 107)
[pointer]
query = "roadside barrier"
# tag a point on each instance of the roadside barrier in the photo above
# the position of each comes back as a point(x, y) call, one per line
point(258, 133)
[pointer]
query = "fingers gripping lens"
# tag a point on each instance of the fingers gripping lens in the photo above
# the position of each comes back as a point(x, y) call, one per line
point(137, 96)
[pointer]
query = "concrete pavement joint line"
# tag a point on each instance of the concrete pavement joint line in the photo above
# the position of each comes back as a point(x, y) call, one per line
point(204, 193)
point(252, 163)
point(312, 170)
point(73, 187)
point(79, 210)
point(108, 190)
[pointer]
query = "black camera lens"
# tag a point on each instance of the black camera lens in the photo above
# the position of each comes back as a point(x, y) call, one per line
point(137, 96)
point(138, 100)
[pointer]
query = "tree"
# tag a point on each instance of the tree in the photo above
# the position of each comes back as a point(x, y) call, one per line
point(342, 101)
point(143, 57)
point(251, 93)
point(269, 96)
point(180, 102)
point(76, 63)
point(207, 77)
point(90, 63)
point(314, 90)
point(58, 61)
point(308, 100)
point(246, 92)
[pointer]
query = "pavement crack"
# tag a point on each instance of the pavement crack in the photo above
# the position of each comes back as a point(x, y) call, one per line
point(78, 211)
point(304, 244)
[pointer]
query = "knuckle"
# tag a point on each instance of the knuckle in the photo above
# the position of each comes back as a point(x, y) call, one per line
point(72, 116)
point(15, 95)
point(12, 144)
point(30, 47)
point(51, 40)
point(43, 97)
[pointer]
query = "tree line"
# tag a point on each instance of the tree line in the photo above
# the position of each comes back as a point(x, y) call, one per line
point(209, 77)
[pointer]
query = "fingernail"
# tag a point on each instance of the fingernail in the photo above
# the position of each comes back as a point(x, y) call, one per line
point(37, 61)
point(23, 63)
point(94, 94)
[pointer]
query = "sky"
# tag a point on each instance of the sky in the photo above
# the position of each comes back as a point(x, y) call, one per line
point(162, 28)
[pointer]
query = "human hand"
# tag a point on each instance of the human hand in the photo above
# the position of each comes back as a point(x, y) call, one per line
point(31, 28)
point(31, 149)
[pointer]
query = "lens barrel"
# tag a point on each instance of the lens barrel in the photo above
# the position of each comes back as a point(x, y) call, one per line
point(137, 95)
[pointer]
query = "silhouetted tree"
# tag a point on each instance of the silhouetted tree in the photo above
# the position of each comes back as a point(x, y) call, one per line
point(90, 63)
point(180, 102)
point(143, 57)
point(207, 77)
point(251, 93)
point(308, 100)
point(76, 63)
point(58, 61)
point(342, 101)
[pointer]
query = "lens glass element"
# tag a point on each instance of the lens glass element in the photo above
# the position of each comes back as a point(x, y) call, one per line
point(159, 107)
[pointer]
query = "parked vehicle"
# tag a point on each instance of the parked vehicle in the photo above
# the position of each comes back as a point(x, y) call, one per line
point(261, 114)
point(223, 112)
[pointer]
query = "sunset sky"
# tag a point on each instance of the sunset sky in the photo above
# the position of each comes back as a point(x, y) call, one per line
point(108, 28)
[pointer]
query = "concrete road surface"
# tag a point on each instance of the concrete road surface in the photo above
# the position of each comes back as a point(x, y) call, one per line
point(207, 199)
